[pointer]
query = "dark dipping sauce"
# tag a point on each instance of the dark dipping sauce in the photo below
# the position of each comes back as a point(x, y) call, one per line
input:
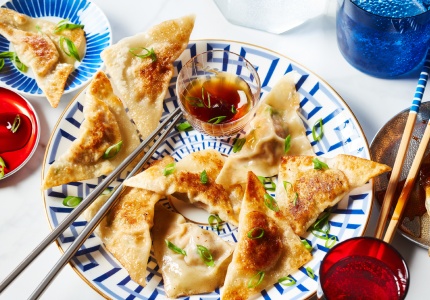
point(219, 99)
point(16, 147)
point(416, 202)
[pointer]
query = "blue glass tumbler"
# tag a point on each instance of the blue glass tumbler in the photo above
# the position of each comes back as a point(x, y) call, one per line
point(381, 46)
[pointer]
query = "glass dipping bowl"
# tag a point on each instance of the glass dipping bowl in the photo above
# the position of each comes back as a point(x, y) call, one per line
point(219, 66)
point(363, 268)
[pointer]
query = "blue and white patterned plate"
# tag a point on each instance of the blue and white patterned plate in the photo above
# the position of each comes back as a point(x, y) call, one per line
point(342, 134)
point(97, 32)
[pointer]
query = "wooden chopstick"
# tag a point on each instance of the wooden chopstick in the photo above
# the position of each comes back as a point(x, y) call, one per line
point(403, 148)
point(408, 186)
point(172, 119)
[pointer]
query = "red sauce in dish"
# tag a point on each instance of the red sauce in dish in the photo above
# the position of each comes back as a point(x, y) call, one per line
point(16, 147)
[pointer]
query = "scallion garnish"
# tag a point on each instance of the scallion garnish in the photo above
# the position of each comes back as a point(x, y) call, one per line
point(169, 169)
point(296, 195)
point(16, 123)
point(271, 203)
point(112, 150)
point(185, 126)
point(203, 98)
point(318, 136)
point(65, 24)
point(319, 165)
point(2, 167)
point(307, 245)
point(14, 58)
point(238, 144)
point(267, 181)
point(287, 144)
point(72, 201)
point(195, 101)
point(330, 242)
point(107, 191)
point(204, 177)
point(71, 50)
point(321, 227)
point(217, 120)
point(287, 281)
point(310, 272)
point(255, 280)
point(233, 109)
point(206, 255)
point(215, 221)
point(149, 53)
point(255, 233)
point(175, 248)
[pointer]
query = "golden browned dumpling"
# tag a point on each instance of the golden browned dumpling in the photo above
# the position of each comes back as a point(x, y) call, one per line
point(183, 180)
point(105, 125)
point(197, 272)
point(303, 192)
point(142, 82)
point(125, 230)
point(267, 247)
point(38, 47)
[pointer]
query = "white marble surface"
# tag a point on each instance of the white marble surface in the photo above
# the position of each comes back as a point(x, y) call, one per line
point(23, 223)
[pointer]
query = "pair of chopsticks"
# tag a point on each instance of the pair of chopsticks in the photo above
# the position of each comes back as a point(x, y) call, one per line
point(398, 163)
point(89, 228)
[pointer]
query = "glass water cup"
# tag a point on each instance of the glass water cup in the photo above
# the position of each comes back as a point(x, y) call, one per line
point(382, 46)
point(363, 268)
point(217, 64)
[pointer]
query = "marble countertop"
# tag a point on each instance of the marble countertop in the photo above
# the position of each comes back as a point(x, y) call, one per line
point(23, 222)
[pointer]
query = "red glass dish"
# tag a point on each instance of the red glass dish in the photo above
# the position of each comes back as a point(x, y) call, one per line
point(364, 268)
point(17, 148)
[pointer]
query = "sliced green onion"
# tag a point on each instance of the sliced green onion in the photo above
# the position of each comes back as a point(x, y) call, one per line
point(310, 272)
point(233, 109)
point(65, 24)
point(255, 280)
point(72, 201)
point(238, 144)
point(330, 242)
point(106, 191)
point(71, 50)
point(287, 281)
point(318, 137)
point(112, 150)
point(2, 167)
point(217, 120)
point(255, 233)
point(175, 248)
point(203, 98)
point(215, 221)
point(185, 126)
point(271, 203)
point(319, 165)
point(1, 63)
point(194, 101)
point(149, 53)
point(206, 255)
point(321, 227)
point(267, 181)
point(287, 144)
point(169, 169)
point(307, 245)
point(204, 177)
point(16, 123)
point(15, 59)
point(296, 195)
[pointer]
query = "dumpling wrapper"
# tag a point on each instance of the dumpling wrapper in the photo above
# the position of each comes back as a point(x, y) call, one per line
point(106, 123)
point(278, 253)
point(276, 118)
point(125, 230)
point(319, 189)
point(185, 184)
point(142, 83)
point(188, 275)
point(38, 47)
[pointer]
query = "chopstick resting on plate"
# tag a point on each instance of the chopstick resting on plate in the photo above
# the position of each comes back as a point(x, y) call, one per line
point(172, 119)
point(403, 148)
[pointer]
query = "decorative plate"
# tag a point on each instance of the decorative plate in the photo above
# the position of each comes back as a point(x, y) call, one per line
point(16, 148)
point(415, 222)
point(342, 134)
point(97, 32)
